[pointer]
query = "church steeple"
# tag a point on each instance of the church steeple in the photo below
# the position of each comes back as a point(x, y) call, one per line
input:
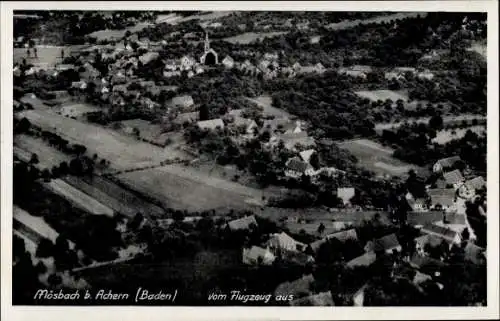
point(207, 42)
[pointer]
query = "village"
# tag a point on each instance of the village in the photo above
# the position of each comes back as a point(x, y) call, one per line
point(336, 181)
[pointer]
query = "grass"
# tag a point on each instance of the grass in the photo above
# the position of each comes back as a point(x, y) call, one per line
point(377, 158)
point(380, 19)
point(186, 188)
point(78, 198)
point(113, 196)
point(383, 94)
point(46, 55)
point(122, 151)
point(265, 102)
point(77, 110)
point(249, 37)
point(48, 156)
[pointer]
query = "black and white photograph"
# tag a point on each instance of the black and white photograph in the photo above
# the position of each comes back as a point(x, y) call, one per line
point(249, 158)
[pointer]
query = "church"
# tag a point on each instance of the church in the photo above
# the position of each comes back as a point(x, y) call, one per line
point(209, 57)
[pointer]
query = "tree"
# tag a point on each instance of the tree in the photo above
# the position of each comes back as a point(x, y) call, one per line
point(314, 161)
point(321, 228)
point(465, 234)
point(436, 122)
point(45, 248)
point(204, 112)
point(34, 159)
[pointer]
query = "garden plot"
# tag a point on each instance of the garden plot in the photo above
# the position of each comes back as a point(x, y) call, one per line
point(48, 156)
point(377, 158)
point(186, 188)
point(122, 151)
point(382, 94)
point(249, 37)
point(78, 198)
point(77, 110)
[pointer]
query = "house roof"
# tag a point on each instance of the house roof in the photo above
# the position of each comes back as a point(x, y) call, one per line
point(454, 218)
point(148, 57)
point(240, 121)
point(211, 123)
point(320, 299)
point(453, 177)
point(242, 223)
point(184, 101)
point(448, 162)
point(283, 241)
point(387, 242)
point(273, 124)
point(183, 117)
point(306, 154)
point(431, 239)
point(344, 235)
point(366, 259)
point(475, 183)
point(422, 218)
point(228, 59)
point(440, 231)
point(443, 196)
point(420, 278)
point(420, 261)
point(296, 287)
point(255, 252)
point(346, 193)
point(297, 165)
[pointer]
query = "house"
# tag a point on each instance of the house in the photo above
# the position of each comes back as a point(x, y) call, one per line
point(82, 85)
point(421, 262)
point(358, 298)
point(344, 236)
point(366, 259)
point(425, 75)
point(419, 219)
point(453, 178)
point(63, 67)
point(171, 65)
point(187, 62)
point(257, 255)
point(445, 163)
point(320, 299)
point(356, 71)
point(447, 234)
point(429, 239)
point(388, 244)
point(243, 223)
point(295, 168)
point(228, 62)
point(120, 89)
point(118, 78)
point(275, 124)
point(416, 204)
point(306, 154)
point(184, 102)
point(346, 194)
point(211, 124)
point(248, 124)
point(475, 183)
point(187, 118)
point(292, 140)
point(392, 75)
point(148, 57)
point(456, 222)
point(282, 241)
point(442, 198)
point(420, 278)
point(90, 73)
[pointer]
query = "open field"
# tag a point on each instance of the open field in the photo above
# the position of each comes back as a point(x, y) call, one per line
point(72, 109)
point(249, 37)
point(186, 188)
point(265, 102)
point(444, 136)
point(49, 55)
point(173, 18)
point(383, 94)
point(108, 34)
point(377, 158)
point(447, 120)
point(48, 156)
point(121, 151)
point(113, 196)
point(78, 198)
point(380, 19)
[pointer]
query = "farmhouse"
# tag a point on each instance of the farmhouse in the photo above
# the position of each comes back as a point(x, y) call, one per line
point(306, 154)
point(388, 244)
point(355, 71)
point(257, 255)
point(445, 163)
point(187, 118)
point(228, 62)
point(442, 199)
point(453, 178)
point(293, 140)
point(295, 168)
point(248, 124)
point(244, 223)
point(366, 259)
point(475, 183)
point(282, 241)
point(211, 124)
point(418, 219)
point(184, 102)
point(445, 233)
point(346, 194)
point(187, 63)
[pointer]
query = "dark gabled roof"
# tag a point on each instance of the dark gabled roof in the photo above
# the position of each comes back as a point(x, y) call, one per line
point(387, 242)
point(344, 235)
point(443, 196)
point(422, 218)
point(453, 177)
point(448, 162)
point(475, 183)
point(454, 218)
point(297, 165)
point(419, 261)
point(366, 259)
point(439, 230)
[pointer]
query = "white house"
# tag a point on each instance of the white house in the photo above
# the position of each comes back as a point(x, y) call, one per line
point(295, 168)
point(211, 124)
point(346, 194)
point(228, 62)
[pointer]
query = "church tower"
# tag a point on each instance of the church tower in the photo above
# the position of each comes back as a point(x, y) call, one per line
point(207, 43)
point(209, 56)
